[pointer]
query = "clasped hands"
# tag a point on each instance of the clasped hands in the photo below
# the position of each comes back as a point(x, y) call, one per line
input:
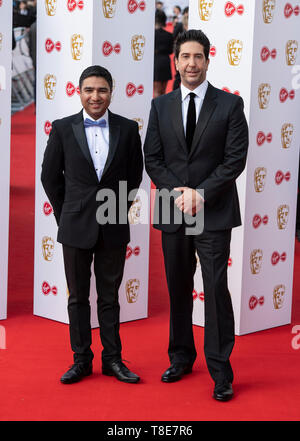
point(190, 201)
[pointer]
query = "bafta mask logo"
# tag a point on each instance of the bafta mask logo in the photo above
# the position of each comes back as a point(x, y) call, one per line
point(256, 261)
point(140, 122)
point(50, 7)
point(264, 93)
point(278, 296)
point(260, 174)
point(137, 47)
point(287, 135)
point(132, 290)
point(109, 8)
point(205, 9)
point(76, 46)
point(282, 216)
point(48, 248)
point(234, 51)
point(291, 52)
point(50, 86)
point(268, 9)
point(134, 214)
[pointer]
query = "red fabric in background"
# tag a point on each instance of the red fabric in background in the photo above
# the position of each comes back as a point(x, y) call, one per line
point(37, 350)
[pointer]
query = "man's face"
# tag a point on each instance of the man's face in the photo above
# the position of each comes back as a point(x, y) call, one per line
point(95, 95)
point(192, 64)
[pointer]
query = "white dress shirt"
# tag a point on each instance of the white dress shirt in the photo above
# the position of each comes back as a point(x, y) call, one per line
point(98, 142)
point(200, 92)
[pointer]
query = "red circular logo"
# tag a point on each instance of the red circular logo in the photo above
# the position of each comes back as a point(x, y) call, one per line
point(133, 5)
point(47, 127)
point(47, 209)
point(213, 51)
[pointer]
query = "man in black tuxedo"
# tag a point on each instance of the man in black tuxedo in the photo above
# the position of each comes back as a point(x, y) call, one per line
point(197, 138)
point(91, 151)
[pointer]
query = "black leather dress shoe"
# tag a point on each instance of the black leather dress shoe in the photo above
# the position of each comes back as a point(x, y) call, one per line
point(76, 372)
point(175, 372)
point(120, 371)
point(223, 392)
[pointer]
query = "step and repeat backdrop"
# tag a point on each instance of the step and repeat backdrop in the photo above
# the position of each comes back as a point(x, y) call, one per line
point(73, 35)
point(5, 109)
point(254, 53)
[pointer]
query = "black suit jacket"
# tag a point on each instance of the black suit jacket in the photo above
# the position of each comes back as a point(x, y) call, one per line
point(71, 183)
point(217, 156)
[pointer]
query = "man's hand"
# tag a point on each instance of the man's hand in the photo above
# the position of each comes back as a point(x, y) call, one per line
point(190, 201)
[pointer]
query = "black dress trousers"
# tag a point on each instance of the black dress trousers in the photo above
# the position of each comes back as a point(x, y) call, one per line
point(108, 268)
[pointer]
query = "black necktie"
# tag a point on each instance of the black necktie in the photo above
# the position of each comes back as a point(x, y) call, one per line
point(190, 121)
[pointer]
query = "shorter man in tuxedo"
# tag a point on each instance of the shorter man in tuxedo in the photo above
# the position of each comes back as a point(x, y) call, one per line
point(91, 151)
point(197, 140)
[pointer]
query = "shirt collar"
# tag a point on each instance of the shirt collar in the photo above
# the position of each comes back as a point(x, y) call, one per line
point(200, 91)
point(105, 116)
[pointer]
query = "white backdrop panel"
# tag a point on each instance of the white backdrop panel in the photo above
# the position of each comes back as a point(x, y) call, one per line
point(5, 124)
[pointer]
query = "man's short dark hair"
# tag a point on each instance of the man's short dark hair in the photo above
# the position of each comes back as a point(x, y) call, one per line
point(160, 18)
point(96, 71)
point(192, 35)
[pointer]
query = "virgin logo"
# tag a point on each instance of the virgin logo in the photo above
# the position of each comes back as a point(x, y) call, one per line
point(132, 251)
point(50, 45)
point(71, 5)
point(226, 89)
point(133, 5)
point(71, 89)
point(47, 127)
point(108, 48)
point(280, 176)
point(46, 289)
point(257, 220)
point(230, 9)
point(47, 209)
point(254, 301)
point(289, 10)
point(230, 261)
point(284, 94)
point(261, 138)
point(266, 53)
point(276, 257)
point(198, 295)
point(131, 89)
point(213, 51)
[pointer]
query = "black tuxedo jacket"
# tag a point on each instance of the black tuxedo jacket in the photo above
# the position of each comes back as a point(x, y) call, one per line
point(71, 183)
point(217, 156)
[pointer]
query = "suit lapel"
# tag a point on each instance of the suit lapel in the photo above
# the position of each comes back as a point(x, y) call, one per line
point(176, 116)
point(207, 109)
point(79, 132)
point(114, 136)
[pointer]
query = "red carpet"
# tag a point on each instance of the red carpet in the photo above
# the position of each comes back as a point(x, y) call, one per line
point(266, 366)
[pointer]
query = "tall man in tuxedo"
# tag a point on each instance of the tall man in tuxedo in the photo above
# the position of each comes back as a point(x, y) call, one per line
point(93, 150)
point(197, 138)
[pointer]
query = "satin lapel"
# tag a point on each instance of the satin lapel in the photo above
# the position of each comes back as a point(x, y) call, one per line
point(114, 136)
point(207, 109)
point(79, 132)
point(176, 116)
